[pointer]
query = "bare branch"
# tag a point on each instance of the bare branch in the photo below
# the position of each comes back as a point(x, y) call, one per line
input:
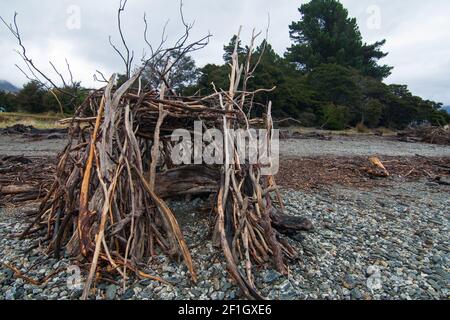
point(128, 56)
point(104, 80)
point(59, 74)
point(70, 73)
point(14, 29)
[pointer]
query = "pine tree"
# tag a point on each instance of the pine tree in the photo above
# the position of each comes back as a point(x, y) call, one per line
point(326, 34)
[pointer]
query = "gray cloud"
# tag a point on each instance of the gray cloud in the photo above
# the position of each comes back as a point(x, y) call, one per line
point(416, 32)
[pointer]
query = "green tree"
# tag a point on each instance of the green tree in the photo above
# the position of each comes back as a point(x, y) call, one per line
point(326, 35)
point(30, 98)
point(372, 112)
point(334, 117)
point(400, 107)
point(8, 101)
point(292, 96)
point(208, 75)
point(337, 85)
point(183, 74)
point(72, 97)
point(229, 50)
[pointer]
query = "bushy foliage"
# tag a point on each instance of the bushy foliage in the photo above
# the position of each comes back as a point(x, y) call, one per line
point(328, 78)
point(372, 113)
point(334, 117)
point(30, 98)
point(327, 35)
point(184, 73)
point(35, 98)
point(7, 101)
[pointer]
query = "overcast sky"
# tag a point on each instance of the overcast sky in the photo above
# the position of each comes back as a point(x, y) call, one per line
point(417, 33)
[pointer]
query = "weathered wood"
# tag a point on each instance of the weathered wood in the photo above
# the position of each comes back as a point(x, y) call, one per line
point(289, 225)
point(16, 189)
point(191, 180)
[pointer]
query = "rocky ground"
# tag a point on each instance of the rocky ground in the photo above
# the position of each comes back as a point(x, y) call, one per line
point(383, 242)
point(359, 146)
point(387, 243)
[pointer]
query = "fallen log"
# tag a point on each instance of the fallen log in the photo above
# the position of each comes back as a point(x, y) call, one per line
point(442, 181)
point(289, 225)
point(192, 180)
point(16, 159)
point(15, 189)
point(377, 168)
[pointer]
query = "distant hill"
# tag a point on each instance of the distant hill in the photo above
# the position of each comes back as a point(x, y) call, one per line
point(8, 87)
point(447, 108)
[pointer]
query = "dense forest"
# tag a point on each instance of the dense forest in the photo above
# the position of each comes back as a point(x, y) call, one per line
point(329, 77)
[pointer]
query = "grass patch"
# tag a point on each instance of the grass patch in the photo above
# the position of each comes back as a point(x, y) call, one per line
point(39, 121)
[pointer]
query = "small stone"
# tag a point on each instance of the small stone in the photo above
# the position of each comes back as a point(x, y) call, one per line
point(53, 296)
point(148, 282)
point(436, 259)
point(356, 294)
point(349, 282)
point(8, 274)
point(325, 287)
point(19, 293)
point(434, 284)
point(371, 270)
point(168, 268)
point(232, 295)
point(196, 292)
point(174, 279)
point(216, 284)
point(76, 294)
point(217, 295)
point(169, 296)
point(345, 292)
point(137, 290)
point(271, 276)
point(128, 294)
point(10, 294)
point(374, 282)
point(111, 292)
point(19, 282)
point(36, 291)
point(287, 291)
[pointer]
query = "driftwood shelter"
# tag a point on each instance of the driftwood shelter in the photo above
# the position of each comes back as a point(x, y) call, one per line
point(107, 203)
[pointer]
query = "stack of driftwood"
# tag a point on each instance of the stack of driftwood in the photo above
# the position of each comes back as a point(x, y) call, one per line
point(24, 179)
point(108, 204)
point(427, 134)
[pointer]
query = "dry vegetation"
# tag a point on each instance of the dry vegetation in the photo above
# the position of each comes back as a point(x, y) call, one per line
point(39, 121)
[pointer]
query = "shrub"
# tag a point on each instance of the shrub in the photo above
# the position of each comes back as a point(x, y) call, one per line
point(308, 119)
point(361, 128)
point(372, 113)
point(334, 117)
